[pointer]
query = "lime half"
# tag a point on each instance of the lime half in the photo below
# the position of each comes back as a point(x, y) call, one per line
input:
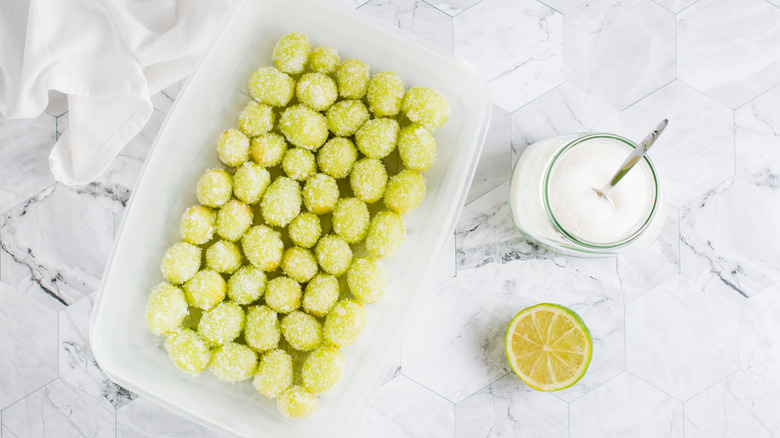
point(548, 347)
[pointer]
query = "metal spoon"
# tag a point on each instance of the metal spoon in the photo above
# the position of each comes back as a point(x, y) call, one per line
point(632, 159)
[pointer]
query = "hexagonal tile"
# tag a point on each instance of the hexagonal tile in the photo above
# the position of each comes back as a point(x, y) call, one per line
point(566, 109)
point(619, 51)
point(495, 162)
point(675, 5)
point(28, 350)
point(24, 169)
point(626, 406)
point(680, 338)
point(453, 7)
point(507, 408)
point(62, 124)
point(696, 151)
point(740, 249)
point(163, 100)
point(486, 233)
point(398, 408)
point(138, 146)
point(757, 138)
point(416, 17)
point(59, 409)
point(111, 189)
point(141, 418)
point(55, 246)
point(563, 6)
point(58, 103)
point(643, 270)
point(77, 364)
point(729, 50)
point(590, 287)
point(760, 335)
point(456, 344)
point(740, 405)
point(516, 47)
point(352, 3)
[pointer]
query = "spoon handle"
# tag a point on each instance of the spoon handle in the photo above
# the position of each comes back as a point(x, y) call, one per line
point(637, 154)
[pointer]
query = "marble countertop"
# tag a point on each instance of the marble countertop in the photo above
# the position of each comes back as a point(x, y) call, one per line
point(686, 333)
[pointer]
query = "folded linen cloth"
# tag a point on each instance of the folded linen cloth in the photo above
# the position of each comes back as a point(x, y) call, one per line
point(108, 57)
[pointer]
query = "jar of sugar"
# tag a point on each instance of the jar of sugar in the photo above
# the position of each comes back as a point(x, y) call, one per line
point(554, 203)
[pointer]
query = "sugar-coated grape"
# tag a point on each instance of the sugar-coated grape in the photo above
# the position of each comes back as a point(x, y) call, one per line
point(324, 59)
point(166, 308)
point(233, 362)
point(214, 188)
point(316, 90)
point(268, 149)
point(299, 264)
point(367, 280)
point(271, 87)
point(304, 127)
point(404, 192)
point(233, 147)
point(299, 164)
point(305, 230)
point(274, 373)
point(263, 247)
point(222, 323)
point(322, 369)
point(377, 137)
point(283, 294)
point(333, 254)
point(233, 219)
point(320, 294)
point(368, 179)
point(385, 234)
point(351, 219)
point(416, 147)
point(246, 285)
point(302, 331)
point(180, 262)
point(291, 53)
point(336, 157)
point(197, 224)
point(263, 330)
point(281, 202)
point(352, 78)
point(344, 323)
point(223, 256)
point(296, 402)
point(320, 194)
point(345, 117)
point(425, 106)
point(384, 94)
point(250, 182)
point(188, 350)
point(256, 119)
point(205, 289)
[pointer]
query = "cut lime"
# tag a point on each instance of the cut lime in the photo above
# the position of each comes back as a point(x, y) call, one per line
point(548, 347)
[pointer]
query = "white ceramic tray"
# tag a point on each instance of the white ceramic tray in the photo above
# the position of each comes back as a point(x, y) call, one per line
point(185, 147)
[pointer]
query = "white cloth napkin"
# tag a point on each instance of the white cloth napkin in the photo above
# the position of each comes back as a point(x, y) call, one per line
point(108, 57)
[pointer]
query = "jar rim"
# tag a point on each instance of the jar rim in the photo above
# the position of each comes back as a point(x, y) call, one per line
point(586, 244)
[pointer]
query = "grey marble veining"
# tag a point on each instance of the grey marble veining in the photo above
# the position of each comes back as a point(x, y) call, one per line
point(686, 332)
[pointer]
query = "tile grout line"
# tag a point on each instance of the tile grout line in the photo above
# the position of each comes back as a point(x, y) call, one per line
point(29, 394)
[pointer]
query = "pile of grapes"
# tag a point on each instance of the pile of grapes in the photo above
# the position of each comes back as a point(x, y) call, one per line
point(284, 251)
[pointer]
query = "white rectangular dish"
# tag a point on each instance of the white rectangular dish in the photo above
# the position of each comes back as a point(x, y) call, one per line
point(185, 147)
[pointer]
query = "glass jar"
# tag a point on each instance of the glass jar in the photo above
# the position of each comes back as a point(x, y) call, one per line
point(554, 202)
